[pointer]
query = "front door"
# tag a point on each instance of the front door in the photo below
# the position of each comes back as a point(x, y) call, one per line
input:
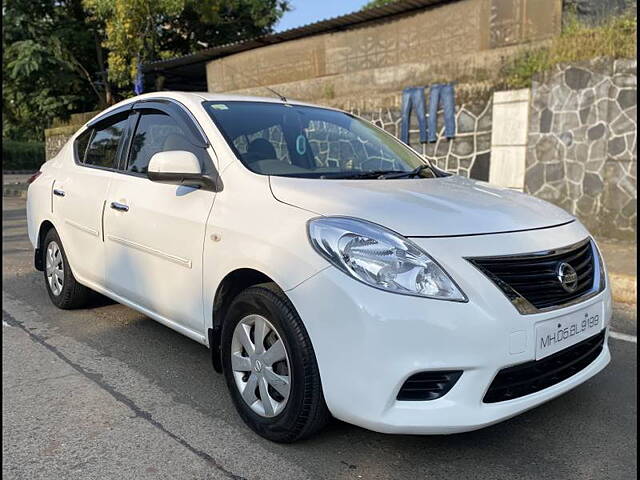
point(154, 232)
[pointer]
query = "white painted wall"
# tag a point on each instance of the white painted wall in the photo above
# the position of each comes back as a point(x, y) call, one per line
point(509, 138)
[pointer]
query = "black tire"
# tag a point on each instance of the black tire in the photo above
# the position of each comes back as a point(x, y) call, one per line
point(305, 412)
point(72, 295)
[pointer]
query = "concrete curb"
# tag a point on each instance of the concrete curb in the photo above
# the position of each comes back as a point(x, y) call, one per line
point(624, 288)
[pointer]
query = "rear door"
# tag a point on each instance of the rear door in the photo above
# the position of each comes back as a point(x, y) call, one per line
point(154, 232)
point(79, 194)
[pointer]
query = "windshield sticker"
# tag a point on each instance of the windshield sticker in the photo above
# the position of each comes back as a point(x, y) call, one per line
point(301, 145)
point(219, 106)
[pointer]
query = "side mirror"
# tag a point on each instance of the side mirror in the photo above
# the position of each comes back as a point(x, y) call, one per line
point(179, 167)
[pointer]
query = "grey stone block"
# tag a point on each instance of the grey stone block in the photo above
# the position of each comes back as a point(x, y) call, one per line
point(463, 146)
point(466, 162)
point(586, 205)
point(622, 125)
point(625, 66)
point(553, 172)
point(625, 81)
point(592, 184)
point(481, 166)
point(627, 98)
point(534, 178)
point(617, 145)
point(577, 78)
point(548, 149)
point(564, 121)
point(546, 118)
point(466, 123)
point(575, 171)
point(630, 209)
point(596, 132)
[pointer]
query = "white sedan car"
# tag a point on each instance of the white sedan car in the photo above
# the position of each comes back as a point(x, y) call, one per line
point(330, 270)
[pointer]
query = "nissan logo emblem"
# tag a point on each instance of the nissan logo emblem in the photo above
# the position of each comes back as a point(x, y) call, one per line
point(567, 277)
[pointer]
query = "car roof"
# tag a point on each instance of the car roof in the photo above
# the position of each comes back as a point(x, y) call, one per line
point(198, 97)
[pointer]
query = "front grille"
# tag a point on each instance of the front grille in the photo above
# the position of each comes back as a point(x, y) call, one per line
point(428, 385)
point(531, 281)
point(531, 377)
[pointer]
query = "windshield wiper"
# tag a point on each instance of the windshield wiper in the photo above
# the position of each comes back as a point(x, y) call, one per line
point(413, 173)
point(370, 174)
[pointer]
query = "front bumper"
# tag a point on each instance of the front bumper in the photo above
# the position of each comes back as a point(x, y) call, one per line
point(368, 342)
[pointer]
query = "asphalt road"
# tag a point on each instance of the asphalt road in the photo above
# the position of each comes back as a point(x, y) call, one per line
point(107, 393)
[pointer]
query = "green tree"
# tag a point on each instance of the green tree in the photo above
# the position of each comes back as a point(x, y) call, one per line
point(138, 31)
point(50, 62)
point(377, 3)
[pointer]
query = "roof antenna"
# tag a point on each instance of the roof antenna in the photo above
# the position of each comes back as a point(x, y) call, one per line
point(279, 95)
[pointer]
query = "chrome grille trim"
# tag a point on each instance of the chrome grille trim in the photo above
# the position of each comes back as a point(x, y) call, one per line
point(524, 305)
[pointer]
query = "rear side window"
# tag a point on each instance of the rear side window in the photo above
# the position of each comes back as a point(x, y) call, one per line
point(103, 148)
point(158, 132)
point(81, 143)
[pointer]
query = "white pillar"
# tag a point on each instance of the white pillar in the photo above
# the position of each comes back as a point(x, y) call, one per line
point(510, 125)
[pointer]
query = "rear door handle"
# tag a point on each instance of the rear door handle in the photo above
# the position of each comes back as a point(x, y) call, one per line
point(121, 207)
point(58, 192)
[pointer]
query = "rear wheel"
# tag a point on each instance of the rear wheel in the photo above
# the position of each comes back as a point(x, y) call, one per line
point(65, 292)
point(270, 366)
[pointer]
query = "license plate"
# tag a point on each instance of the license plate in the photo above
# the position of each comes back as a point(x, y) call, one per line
point(562, 332)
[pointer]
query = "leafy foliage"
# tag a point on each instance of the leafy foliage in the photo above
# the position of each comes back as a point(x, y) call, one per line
point(17, 155)
point(139, 31)
point(377, 3)
point(48, 60)
point(53, 49)
point(615, 38)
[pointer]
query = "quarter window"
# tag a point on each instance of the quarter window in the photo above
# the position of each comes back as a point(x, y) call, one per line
point(81, 143)
point(103, 148)
point(158, 132)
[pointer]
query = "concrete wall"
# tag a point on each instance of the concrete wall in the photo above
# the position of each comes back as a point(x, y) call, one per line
point(367, 67)
point(62, 130)
point(582, 147)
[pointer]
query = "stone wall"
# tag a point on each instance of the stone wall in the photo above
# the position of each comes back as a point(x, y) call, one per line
point(467, 154)
point(582, 152)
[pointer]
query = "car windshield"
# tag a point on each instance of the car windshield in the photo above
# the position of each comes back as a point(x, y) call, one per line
point(300, 141)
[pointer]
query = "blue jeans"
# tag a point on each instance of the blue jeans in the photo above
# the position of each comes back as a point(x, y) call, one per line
point(442, 93)
point(413, 97)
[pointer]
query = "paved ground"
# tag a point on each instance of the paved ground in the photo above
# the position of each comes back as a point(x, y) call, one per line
point(108, 393)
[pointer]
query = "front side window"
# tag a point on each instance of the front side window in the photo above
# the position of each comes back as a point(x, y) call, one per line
point(103, 147)
point(301, 141)
point(158, 132)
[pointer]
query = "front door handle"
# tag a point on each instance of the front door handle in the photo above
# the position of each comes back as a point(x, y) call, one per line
point(121, 207)
point(58, 192)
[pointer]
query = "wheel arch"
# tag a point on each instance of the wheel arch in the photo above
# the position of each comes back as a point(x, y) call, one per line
point(231, 285)
point(43, 229)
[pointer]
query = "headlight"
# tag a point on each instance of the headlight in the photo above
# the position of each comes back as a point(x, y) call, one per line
point(381, 258)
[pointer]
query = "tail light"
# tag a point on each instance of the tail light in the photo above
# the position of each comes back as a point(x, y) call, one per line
point(33, 177)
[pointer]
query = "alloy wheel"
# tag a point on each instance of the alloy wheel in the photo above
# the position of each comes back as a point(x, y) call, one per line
point(260, 365)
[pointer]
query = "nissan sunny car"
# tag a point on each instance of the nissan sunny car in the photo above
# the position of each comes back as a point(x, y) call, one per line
point(329, 268)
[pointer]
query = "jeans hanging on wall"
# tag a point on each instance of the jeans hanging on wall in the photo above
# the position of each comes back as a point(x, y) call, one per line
point(442, 93)
point(413, 97)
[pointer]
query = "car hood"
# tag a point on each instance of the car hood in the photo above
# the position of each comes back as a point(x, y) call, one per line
point(443, 206)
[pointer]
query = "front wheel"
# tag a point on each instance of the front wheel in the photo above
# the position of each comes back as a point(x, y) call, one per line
point(270, 366)
point(64, 290)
